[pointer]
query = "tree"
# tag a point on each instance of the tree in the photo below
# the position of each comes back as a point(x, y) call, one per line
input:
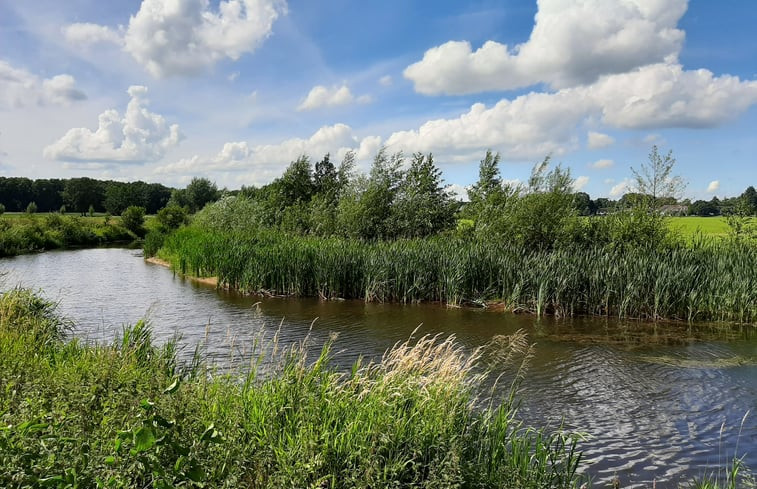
point(655, 179)
point(133, 217)
point(583, 204)
point(80, 194)
point(199, 192)
point(542, 214)
point(491, 202)
point(172, 216)
point(749, 199)
point(31, 208)
point(423, 206)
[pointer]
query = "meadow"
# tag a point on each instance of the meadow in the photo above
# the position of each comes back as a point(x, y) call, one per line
point(691, 226)
point(132, 416)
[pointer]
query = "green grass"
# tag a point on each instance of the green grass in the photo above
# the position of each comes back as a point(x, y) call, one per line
point(125, 415)
point(690, 226)
point(711, 280)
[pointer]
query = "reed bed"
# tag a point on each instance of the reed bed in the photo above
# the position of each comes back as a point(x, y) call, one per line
point(710, 281)
point(125, 415)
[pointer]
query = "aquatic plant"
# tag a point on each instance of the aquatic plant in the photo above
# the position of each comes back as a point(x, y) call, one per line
point(712, 280)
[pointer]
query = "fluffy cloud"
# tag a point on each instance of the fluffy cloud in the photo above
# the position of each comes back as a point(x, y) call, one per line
point(602, 164)
point(579, 183)
point(321, 96)
point(597, 140)
point(713, 187)
point(530, 126)
point(572, 43)
point(181, 37)
point(87, 33)
point(664, 95)
point(19, 88)
point(621, 188)
point(533, 125)
point(267, 161)
point(138, 136)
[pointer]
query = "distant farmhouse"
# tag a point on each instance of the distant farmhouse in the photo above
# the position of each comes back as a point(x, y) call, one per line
point(674, 210)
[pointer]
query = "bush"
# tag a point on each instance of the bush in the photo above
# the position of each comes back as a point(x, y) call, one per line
point(133, 218)
point(171, 217)
point(31, 208)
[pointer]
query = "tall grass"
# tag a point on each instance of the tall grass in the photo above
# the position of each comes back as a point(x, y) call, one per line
point(124, 415)
point(712, 280)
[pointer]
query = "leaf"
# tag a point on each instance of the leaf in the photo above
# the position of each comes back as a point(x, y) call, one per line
point(211, 434)
point(144, 439)
point(146, 404)
point(195, 473)
point(110, 460)
point(173, 387)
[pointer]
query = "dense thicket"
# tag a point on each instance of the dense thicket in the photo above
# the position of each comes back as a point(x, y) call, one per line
point(130, 417)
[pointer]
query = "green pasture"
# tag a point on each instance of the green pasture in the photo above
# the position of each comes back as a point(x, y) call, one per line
point(689, 226)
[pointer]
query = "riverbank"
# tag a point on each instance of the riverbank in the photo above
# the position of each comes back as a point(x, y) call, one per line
point(711, 281)
point(133, 417)
point(209, 281)
point(30, 233)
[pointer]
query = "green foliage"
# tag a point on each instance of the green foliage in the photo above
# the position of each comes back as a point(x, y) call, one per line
point(31, 208)
point(423, 206)
point(130, 418)
point(2, 209)
point(172, 217)
point(133, 219)
point(200, 192)
point(29, 233)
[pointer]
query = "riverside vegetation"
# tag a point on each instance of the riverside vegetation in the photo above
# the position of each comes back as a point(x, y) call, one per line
point(132, 416)
point(398, 235)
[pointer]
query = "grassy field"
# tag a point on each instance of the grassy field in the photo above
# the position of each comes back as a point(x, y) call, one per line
point(689, 226)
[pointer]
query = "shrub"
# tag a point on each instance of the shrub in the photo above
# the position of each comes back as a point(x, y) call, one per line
point(133, 218)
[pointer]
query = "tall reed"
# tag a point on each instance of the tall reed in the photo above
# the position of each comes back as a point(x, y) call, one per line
point(713, 281)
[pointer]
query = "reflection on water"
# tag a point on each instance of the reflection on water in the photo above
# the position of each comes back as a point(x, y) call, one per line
point(657, 402)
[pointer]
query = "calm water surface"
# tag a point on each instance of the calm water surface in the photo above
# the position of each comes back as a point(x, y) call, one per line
point(661, 403)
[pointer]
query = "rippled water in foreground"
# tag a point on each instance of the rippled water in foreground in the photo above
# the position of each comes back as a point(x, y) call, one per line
point(661, 403)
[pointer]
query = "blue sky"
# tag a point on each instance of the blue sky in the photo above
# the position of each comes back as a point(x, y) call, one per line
point(164, 90)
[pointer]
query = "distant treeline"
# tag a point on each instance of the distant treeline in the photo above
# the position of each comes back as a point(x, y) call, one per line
point(81, 195)
point(744, 204)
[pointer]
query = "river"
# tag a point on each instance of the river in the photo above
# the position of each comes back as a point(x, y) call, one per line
point(660, 403)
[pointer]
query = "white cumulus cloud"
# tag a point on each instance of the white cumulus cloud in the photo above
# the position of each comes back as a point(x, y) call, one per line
point(597, 140)
point(184, 37)
point(322, 96)
point(579, 183)
point(536, 124)
point(267, 161)
point(137, 136)
point(571, 43)
point(713, 187)
point(20, 88)
point(87, 33)
point(619, 189)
